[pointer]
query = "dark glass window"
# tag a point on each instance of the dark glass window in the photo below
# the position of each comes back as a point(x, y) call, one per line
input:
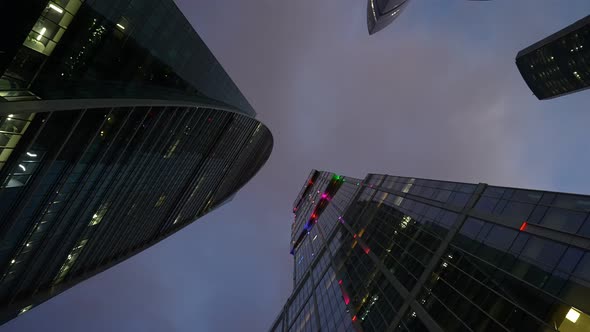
point(471, 227)
point(565, 220)
point(486, 204)
point(517, 210)
point(500, 237)
point(544, 252)
point(574, 202)
point(459, 199)
point(583, 268)
point(495, 192)
point(527, 196)
point(569, 260)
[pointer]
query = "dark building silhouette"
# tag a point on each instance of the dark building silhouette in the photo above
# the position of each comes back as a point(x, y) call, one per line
point(559, 64)
point(391, 253)
point(380, 13)
point(118, 127)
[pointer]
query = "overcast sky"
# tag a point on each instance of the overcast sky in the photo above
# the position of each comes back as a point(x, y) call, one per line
point(436, 95)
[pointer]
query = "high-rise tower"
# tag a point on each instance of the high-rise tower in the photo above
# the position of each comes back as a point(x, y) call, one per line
point(391, 253)
point(118, 127)
point(559, 64)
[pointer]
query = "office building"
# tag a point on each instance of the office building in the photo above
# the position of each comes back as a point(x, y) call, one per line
point(559, 64)
point(118, 128)
point(392, 253)
point(380, 13)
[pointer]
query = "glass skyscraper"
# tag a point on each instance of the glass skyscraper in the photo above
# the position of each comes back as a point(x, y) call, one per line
point(118, 127)
point(392, 253)
point(380, 13)
point(558, 64)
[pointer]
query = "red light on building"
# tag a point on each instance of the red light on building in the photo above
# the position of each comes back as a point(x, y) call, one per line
point(523, 226)
point(367, 250)
point(354, 318)
point(354, 236)
point(340, 282)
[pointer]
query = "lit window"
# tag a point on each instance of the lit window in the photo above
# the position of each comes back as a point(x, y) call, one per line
point(405, 221)
point(25, 309)
point(56, 8)
point(573, 315)
point(41, 33)
point(171, 149)
point(97, 217)
point(160, 201)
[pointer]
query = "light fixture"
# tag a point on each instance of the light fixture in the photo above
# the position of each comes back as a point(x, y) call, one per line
point(315, 237)
point(22, 167)
point(573, 315)
point(41, 33)
point(31, 154)
point(56, 8)
point(120, 26)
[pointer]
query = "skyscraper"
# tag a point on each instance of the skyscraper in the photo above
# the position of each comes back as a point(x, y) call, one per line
point(380, 13)
point(391, 253)
point(559, 64)
point(118, 128)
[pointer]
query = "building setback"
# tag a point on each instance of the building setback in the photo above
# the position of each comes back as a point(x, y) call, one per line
point(118, 127)
point(391, 253)
point(559, 64)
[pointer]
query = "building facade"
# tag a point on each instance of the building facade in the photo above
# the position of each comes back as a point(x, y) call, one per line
point(380, 13)
point(559, 64)
point(118, 127)
point(390, 253)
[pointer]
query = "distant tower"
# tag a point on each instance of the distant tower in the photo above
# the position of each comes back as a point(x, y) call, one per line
point(380, 13)
point(559, 64)
point(393, 253)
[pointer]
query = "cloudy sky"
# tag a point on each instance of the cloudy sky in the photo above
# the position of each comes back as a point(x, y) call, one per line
point(435, 95)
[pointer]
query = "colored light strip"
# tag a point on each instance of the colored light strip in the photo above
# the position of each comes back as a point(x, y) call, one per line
point(346, 298)
point(344, 294)
point(523, 226)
